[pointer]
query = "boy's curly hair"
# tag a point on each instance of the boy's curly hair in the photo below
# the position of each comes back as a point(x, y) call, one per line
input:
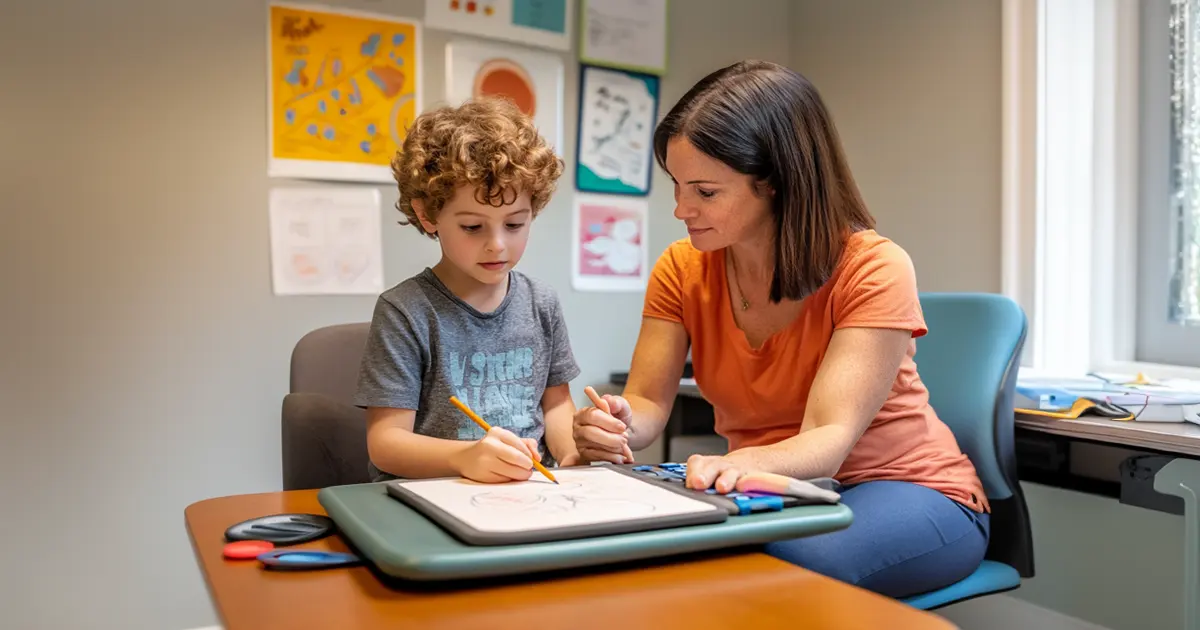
point(488, 144)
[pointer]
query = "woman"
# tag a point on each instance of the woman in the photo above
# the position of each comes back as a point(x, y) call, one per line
point(801, 321)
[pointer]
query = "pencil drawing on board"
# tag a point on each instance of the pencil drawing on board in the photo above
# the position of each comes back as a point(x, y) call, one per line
point(583, 496)
point(554, 499)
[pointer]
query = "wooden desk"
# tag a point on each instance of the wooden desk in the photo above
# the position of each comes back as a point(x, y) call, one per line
point(751, 590)
point(1181, 438)
point(1179, 477)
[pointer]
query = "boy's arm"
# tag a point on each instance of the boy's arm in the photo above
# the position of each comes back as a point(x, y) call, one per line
point(389, 387)
point(395, 449)
point(558, 411)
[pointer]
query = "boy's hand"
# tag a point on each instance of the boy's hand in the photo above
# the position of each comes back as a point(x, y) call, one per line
point(500, 456)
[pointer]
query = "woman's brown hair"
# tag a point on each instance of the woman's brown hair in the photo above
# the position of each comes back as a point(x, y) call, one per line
point(767, 121)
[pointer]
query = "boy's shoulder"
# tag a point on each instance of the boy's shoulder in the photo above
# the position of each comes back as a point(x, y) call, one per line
point(422, 296)
point(413, 291)
point(540, 292)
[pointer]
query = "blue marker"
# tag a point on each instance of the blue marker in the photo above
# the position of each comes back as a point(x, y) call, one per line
point(747, 504)
point(307, 559)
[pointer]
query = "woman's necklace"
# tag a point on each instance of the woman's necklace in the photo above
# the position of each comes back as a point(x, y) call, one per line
point(738, 282)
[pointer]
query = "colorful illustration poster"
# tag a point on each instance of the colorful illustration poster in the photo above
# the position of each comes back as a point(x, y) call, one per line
point(344, 88)
point(617, 113)
point(609, 244)
point(532, 79)
point(542, 23)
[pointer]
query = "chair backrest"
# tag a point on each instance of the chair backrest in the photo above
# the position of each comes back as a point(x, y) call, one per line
point(969, 362)
point(324, 442)
point(325, 361)
point(324, 437)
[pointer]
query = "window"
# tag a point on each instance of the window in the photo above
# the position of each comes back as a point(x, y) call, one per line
point(1168, 316)
point(1101, 183)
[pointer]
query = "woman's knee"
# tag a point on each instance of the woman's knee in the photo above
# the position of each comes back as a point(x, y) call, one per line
point(891, 571)
point(953, 561)
point(904, 540)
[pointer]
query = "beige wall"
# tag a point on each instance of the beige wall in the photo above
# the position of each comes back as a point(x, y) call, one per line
point(144, 357)
point(914, 86)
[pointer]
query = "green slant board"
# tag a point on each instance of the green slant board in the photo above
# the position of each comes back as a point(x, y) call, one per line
point(402, 543)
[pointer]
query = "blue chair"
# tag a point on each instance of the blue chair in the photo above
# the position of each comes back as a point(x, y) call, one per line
point(969, 362)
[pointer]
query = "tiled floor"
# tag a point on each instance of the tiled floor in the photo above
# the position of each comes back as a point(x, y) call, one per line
point(1002, 612)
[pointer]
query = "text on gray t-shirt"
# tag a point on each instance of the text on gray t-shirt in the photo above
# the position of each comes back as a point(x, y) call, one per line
point(425, 345)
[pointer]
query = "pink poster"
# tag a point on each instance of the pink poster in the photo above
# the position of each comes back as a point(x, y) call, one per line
point(609, 248)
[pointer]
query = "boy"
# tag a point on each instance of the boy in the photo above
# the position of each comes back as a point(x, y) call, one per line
point(473, 178)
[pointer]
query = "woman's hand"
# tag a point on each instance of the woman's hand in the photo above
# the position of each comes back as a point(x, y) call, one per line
point(720, 472)
point(600, 432)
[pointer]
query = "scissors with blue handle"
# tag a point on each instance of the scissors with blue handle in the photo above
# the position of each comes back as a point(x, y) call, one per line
point(299, 559)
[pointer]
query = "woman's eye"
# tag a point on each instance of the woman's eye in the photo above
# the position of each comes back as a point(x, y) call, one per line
point(707, 194)
point(471, 228)
point(515, 226)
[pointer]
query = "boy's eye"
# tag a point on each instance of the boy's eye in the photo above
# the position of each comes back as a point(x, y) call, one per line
point(515, 226)
point(471, 228)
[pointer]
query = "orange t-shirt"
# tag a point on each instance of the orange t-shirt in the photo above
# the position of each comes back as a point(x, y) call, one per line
point(759, 395)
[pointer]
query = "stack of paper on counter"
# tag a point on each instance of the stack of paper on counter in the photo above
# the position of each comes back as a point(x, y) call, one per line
point(1174, 400)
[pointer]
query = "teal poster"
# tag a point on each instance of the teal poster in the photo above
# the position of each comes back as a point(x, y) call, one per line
point(617, 113)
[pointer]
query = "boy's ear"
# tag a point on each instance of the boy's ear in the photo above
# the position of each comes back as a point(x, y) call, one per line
point(418, 206)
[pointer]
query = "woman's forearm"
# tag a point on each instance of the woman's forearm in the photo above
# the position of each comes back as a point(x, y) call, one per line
point(649, 420)
point(854, 380)
point(818, 452)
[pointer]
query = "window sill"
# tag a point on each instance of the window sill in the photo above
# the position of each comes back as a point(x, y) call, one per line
point(1152, 371)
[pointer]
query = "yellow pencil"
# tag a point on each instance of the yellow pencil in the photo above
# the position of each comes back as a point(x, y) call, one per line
point(487, 427)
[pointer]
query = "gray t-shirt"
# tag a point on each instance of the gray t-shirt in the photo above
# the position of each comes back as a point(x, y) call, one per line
point(425, 345)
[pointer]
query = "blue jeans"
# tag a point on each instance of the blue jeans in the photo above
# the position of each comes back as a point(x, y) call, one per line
point(905, 539)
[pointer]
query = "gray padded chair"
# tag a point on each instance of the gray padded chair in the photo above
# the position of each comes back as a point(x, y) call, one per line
point(324, 434)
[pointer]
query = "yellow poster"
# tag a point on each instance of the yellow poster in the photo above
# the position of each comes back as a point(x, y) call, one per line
point(344, 88)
